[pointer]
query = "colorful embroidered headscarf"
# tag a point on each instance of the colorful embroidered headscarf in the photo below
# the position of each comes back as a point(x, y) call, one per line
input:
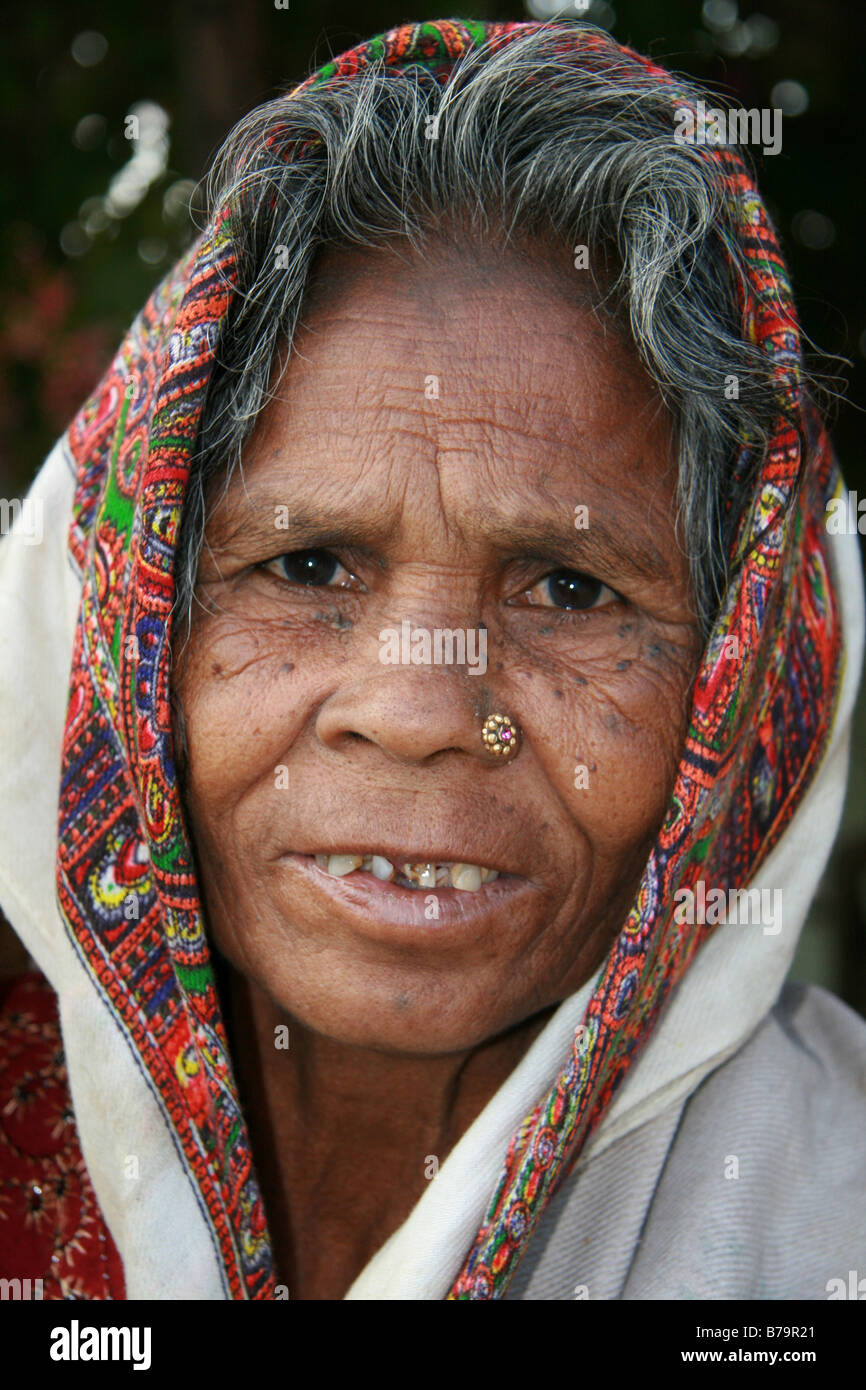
point(125, 874)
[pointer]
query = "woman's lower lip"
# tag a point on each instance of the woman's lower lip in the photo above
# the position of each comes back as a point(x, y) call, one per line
point(375, 903)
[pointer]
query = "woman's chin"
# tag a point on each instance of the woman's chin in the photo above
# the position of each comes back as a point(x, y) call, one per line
point(406, 1022)
point(381, 1003)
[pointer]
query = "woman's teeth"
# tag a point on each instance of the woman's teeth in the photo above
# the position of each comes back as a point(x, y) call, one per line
point(467, 877)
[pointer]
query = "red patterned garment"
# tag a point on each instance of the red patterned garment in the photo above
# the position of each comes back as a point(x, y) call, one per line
point(52, 1232)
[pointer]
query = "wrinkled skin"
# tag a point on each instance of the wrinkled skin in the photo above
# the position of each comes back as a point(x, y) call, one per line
point(399, 1036)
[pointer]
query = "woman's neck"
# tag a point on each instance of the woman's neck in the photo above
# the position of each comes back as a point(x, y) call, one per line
point(345, 1138)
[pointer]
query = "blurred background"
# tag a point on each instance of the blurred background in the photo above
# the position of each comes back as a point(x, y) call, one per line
point(110, 114)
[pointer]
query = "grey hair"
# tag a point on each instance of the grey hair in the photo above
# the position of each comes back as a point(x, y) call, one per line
point(529, 140)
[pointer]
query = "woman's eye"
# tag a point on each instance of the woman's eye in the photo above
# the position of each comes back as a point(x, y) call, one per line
point(312, 568)
point(570, 589)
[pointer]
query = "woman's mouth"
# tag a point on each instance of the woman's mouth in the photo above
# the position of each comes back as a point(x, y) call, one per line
point(449, 900)
point(408, 873)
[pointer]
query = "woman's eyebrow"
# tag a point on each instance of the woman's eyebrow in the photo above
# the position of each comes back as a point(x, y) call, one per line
point(249, 523)
point(597, 545)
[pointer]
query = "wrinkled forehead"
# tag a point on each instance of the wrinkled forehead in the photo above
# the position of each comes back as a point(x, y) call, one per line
point(459, 334)
point(460, 344)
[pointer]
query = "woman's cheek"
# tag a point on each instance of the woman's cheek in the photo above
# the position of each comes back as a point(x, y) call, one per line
point(611, 747)
point(242, 692)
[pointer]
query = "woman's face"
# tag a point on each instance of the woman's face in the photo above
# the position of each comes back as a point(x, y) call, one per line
point(456, 445)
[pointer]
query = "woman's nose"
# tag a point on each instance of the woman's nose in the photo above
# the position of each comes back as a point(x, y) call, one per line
point(410, 712)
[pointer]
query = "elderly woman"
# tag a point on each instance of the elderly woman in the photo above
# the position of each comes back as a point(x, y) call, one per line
point(426, 723)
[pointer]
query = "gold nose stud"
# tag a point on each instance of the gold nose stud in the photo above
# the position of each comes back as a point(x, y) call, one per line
point(500, 736)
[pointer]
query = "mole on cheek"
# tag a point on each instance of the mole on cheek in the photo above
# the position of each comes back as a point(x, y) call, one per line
point(623, 665)
point(336, 619)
